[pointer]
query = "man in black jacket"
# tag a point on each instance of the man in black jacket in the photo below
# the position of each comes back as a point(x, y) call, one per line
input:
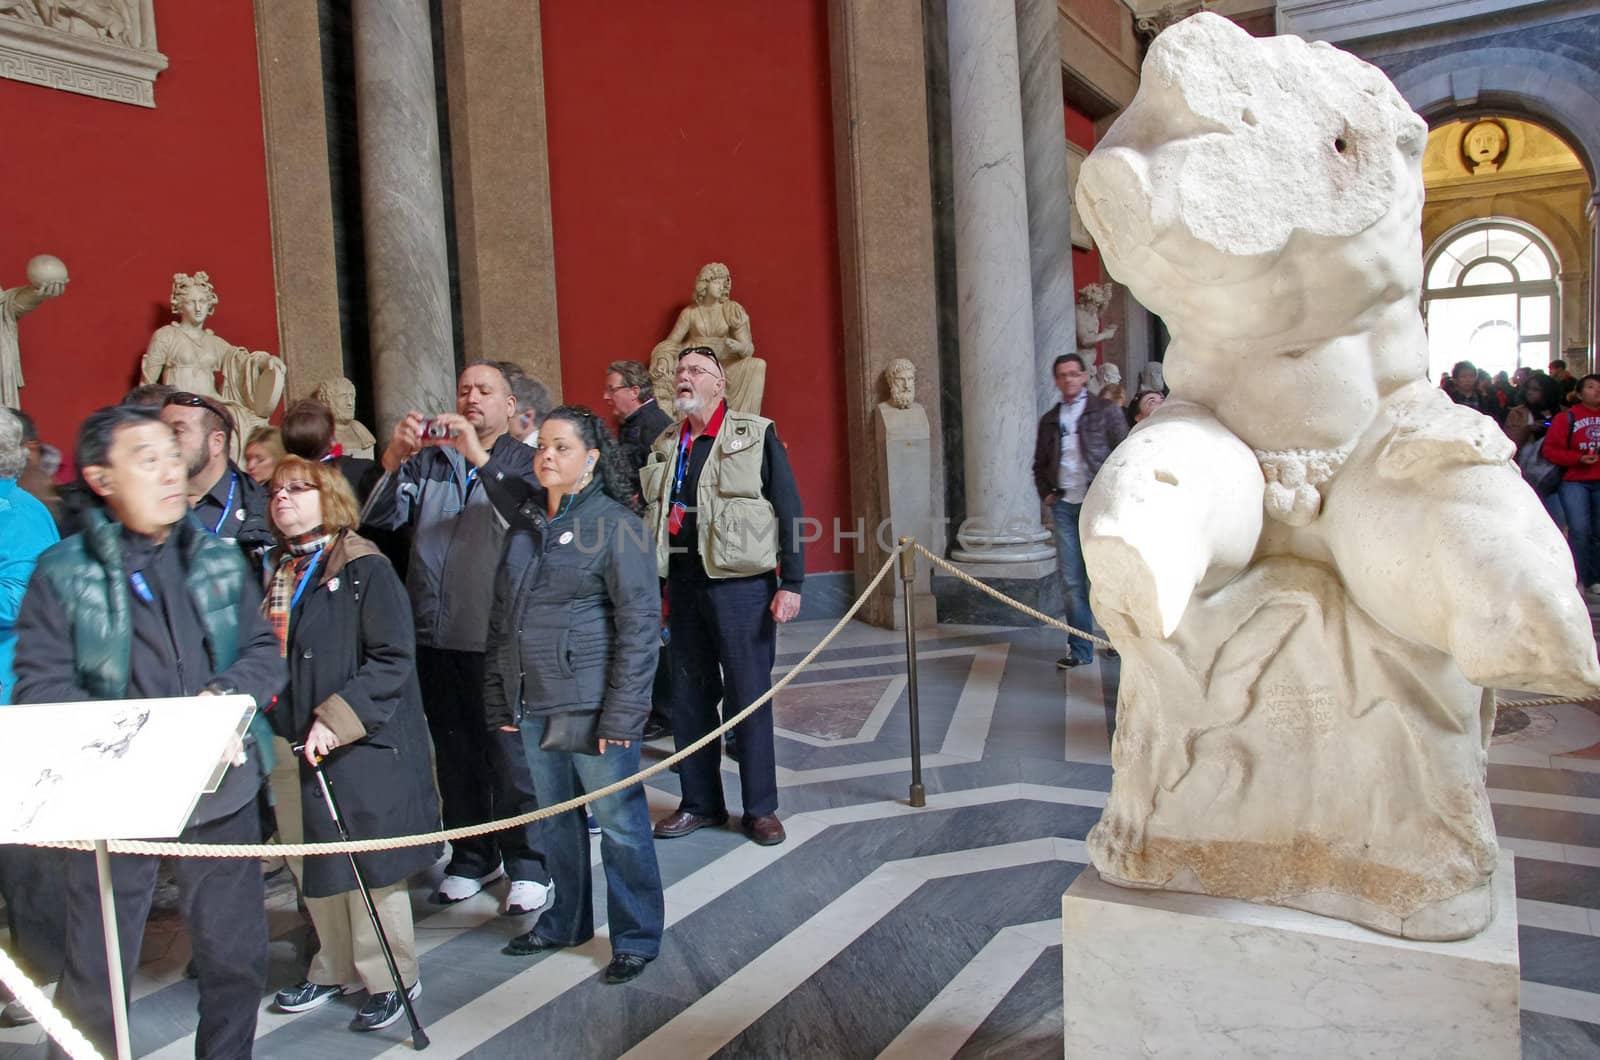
point(148, 604)
point(226, 501)
point(1075, 437)
point(640, 418)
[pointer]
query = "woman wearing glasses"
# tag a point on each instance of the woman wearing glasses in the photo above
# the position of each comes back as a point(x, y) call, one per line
point(344, 624)
point(574, 633)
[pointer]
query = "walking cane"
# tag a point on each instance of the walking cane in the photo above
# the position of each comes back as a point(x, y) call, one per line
point(419, 1038)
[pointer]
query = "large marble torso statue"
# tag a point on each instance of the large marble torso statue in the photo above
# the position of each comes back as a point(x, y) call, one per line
point(1312, 561)
point(717, 321)
point(188, 355)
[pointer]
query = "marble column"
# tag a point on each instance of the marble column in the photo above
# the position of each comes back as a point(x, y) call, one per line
point(1594, 281)
point(1044, 147)
point(402, 210)
point(994, 288)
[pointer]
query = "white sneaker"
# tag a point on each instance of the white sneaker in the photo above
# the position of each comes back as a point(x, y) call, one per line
point(453, 889)
point(526, 896)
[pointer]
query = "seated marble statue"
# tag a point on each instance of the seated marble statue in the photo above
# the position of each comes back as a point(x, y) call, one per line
point(1313, 563)
point(714, 320)
point(188, 355)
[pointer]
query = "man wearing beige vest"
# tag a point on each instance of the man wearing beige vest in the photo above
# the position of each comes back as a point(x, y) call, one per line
point(725, 511)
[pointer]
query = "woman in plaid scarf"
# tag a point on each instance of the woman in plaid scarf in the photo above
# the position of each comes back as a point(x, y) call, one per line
point(344, 622)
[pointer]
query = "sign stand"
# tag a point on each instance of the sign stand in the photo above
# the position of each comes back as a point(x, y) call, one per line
point(68, 771)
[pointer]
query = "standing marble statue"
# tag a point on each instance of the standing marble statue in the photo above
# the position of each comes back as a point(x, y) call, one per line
point(1091, 306)
point(188, 355)
point(47, 278)
point(350, 433)
point(1312, 562)
point(717, 321)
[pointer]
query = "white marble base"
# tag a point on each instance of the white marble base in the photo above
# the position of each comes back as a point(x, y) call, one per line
point(1162, 974)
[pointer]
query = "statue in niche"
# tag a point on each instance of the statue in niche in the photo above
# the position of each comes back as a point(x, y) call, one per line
point(1091, 305)
point(1313, 586)
point(1485, 147)
point(1104, 375)
point(717, 321)
point(47, 278)
point(351, 435)
point(188, 355)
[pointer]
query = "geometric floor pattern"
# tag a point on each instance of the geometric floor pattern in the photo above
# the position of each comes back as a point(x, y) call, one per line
point(879, 930)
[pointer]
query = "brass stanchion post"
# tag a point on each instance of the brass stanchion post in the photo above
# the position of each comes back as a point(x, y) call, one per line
point(908, 571)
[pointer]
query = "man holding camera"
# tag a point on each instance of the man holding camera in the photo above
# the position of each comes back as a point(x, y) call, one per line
point(456, 538)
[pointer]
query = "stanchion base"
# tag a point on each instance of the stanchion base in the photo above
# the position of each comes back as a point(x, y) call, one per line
point(919, 797)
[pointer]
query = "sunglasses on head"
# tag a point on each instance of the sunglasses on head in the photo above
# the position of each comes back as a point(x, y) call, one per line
point(195, 401)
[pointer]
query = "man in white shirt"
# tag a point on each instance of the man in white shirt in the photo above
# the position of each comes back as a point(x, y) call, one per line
point(1075, 437)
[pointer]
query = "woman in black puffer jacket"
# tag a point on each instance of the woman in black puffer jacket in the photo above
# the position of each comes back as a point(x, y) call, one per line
point(573, 642)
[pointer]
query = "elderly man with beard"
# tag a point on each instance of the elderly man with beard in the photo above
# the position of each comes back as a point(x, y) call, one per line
point(725, 512)
point(429, 487)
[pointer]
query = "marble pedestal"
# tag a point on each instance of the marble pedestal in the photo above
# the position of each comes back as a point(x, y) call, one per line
point(1161, 974)
point(905, 469)
point(1035, 583)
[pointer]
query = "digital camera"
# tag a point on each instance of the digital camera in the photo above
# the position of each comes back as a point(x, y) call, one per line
point(435, 430)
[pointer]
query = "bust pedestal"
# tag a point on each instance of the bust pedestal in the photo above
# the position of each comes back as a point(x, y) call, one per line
point(905, 473)
point(1162, 974)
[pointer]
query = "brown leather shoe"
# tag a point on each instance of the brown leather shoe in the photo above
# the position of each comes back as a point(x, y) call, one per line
point(683, 822)
point(766, 831)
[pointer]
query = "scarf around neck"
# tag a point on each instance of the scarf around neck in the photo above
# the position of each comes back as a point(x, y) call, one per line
point(300, 555)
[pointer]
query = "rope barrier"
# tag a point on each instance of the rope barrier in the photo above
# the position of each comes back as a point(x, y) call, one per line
point(1039, 616)
point(361, 846)
point(52, 1022)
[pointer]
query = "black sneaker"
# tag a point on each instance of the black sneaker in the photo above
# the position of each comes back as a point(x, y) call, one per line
point(383, 1009)
point(304, 996)
point(1068, 662)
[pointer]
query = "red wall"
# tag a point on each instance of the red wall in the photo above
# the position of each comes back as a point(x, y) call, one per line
point(1085, 263)
point(691, 132)
point(127, 196)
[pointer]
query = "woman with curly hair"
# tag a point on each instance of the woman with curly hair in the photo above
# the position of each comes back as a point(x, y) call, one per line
point(573, 640)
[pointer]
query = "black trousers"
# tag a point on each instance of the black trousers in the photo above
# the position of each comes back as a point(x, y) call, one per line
point(30, 879)
point(223, 907)
point(724, 642)
point(483, 774)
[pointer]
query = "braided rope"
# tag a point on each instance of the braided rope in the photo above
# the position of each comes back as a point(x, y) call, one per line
point(1039, 616)
point(359, 846)
point(53, 1022)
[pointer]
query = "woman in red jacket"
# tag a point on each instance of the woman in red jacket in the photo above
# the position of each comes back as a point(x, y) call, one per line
point(1573, 442)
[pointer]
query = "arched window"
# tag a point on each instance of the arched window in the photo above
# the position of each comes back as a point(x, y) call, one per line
point(1491, 298)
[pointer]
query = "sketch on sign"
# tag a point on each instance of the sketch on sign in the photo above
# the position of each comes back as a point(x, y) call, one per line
point(116, 769)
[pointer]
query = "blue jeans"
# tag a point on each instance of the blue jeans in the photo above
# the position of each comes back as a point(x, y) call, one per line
point(635, 907)
point(1581, 501)
point(1074, 578)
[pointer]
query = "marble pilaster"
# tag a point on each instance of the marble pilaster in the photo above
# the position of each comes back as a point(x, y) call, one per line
point(994, 287)
point(1594, 281)
point(402, 209)
point(500, 159)
point(886, 255)
point(1049, 208)
point(298, 194)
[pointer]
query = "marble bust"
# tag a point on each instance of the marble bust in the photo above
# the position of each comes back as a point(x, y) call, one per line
point(1485, 146)
point(717, 321)
point(1312, 586)
point(47, 278)
point(188, 355)
point(1091, 303)
point(901, 377)
point(351, 435)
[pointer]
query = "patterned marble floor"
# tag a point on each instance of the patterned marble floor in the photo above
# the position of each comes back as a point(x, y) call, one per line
point(878, 930)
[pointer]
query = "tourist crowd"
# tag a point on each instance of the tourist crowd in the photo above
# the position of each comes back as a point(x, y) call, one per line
point(489, 618)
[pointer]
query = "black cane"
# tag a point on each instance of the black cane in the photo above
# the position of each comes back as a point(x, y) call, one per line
point(419, 1038)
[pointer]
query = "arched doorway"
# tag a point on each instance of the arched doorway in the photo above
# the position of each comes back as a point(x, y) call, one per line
point(1490, 297)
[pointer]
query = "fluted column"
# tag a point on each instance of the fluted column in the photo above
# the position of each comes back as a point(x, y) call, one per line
point(994, 287)
point(1044, 145)
point(402, 209)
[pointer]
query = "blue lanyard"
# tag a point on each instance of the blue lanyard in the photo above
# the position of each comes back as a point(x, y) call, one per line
point(472, 476)
point(233, 484)
point(304, 580)
point(685, 447)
